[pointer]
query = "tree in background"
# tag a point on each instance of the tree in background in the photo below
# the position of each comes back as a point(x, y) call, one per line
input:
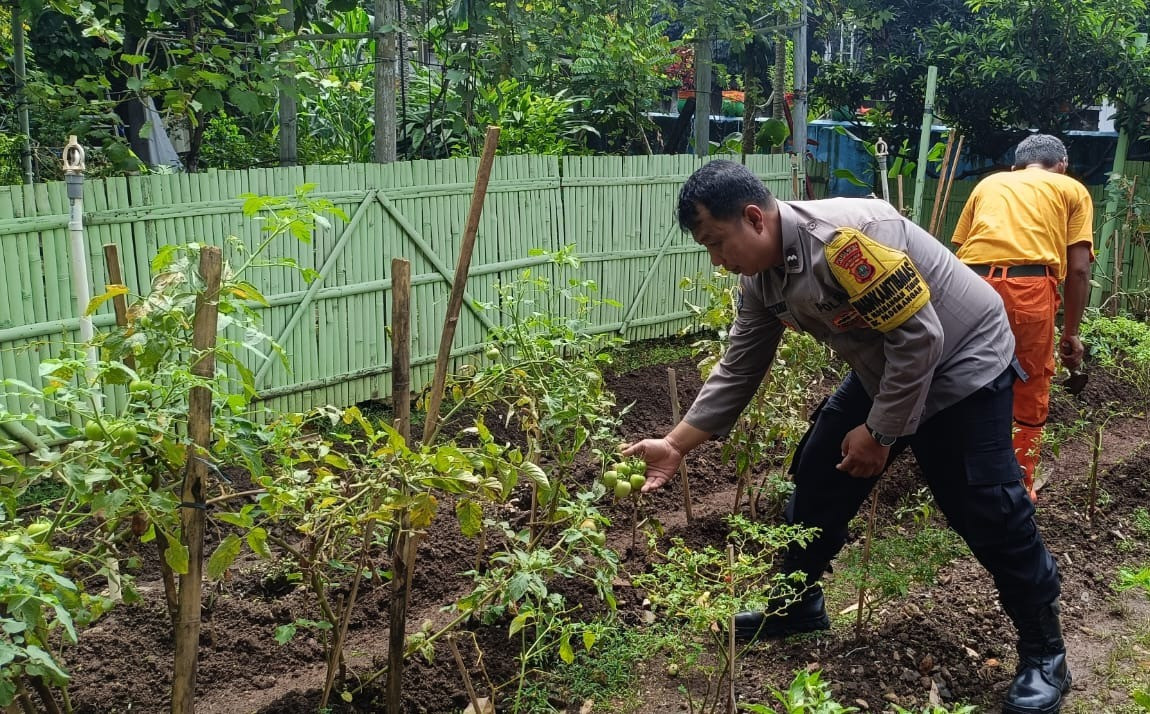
point(1005, 66)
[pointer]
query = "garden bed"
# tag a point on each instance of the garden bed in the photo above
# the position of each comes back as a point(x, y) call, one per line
point(949, 637)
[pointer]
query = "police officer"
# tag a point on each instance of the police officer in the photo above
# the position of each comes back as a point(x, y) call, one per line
point(930, 351)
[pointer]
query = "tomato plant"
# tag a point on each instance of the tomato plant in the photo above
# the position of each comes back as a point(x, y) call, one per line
point(544, 373)
point(120, 425)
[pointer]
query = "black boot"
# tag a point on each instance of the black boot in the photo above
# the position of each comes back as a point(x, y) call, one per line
point(1042, 676)
point(808, 614)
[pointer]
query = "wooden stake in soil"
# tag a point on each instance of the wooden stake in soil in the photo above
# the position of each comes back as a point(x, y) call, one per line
point(192, 513)
point(673, 381)
point(459, 284)
point(901, 203)
point(119, 304)
point(464, 675)
point(401, 345)
point(1094, 473)
point(866, 559)
point(402, 544)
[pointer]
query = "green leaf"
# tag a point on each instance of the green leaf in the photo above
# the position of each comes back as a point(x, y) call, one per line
point(850, 177)
point(284, 633)
point(177, 557)
point(258, 542)
point(470, 515)
point(588, 639)
point(518, 623)
point(566, 652)
point(245, 100)
point(112, 291)
point(242, 519)
point(223, 557)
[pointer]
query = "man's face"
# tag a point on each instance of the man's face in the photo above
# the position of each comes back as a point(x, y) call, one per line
point(742, 244)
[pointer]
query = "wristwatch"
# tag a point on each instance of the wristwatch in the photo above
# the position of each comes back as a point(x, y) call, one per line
point(882, 439)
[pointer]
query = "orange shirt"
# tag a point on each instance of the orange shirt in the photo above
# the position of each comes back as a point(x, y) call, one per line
point(1024, 217)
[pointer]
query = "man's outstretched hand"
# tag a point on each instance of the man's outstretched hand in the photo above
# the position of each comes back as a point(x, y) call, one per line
point(662, 461)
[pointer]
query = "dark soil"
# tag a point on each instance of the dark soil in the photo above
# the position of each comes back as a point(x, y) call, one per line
point(950, 638)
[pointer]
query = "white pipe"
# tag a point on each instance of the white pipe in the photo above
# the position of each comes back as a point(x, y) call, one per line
point(74, 176)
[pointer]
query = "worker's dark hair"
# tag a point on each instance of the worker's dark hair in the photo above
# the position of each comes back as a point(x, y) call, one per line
point(1039, 149)
point(724, 188)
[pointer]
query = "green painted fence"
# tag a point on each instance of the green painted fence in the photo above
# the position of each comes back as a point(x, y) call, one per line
point(618, 211)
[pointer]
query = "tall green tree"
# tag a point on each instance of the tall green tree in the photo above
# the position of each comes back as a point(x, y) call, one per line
point(1032, 63)
point(1005, 66)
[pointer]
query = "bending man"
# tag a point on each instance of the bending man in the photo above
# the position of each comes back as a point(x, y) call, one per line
point(931, 355)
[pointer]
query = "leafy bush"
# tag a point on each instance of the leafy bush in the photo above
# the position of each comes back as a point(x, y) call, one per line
point(531, 122)
point(1120, 343)
point(228, 146)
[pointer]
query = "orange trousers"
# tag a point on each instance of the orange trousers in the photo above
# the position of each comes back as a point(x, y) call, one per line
point(1031, 306)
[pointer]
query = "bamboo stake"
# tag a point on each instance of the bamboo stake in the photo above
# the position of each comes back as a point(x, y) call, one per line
point(673, 381)
point(866, 559)
point(463, 673)
point(901, 203)
point(732, 704)
point(1094, 473)
point(950, 182)
point(193, 510)
point(459, 284)
point(941, 174)
point(402, 544)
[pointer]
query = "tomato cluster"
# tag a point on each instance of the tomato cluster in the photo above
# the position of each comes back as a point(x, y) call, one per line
point(625, 477)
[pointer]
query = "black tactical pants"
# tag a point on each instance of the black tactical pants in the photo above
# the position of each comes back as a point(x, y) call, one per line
point(966, 456)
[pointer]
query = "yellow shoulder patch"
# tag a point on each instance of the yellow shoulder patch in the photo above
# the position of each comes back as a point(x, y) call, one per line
point(882, 283)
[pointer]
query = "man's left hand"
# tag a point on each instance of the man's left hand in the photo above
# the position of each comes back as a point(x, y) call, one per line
point(1071, 351)
point(863, 457)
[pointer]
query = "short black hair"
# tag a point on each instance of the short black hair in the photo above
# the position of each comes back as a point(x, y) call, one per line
point(724, 188)
point(1041, 149)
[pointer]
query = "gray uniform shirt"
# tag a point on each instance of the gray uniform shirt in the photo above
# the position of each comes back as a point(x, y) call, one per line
point(920, 329)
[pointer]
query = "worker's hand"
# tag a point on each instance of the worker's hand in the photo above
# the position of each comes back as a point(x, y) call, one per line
point(863, 457)
point(1071, 351)
point(662, 460)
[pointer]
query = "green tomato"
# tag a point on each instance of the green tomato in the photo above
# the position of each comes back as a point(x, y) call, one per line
point(610, 478)
point(93, 432)
point(589, 525)
point(125, 434)
point(622, 468)
point(492, 353)
point(637, 481)
point(140, 386)
point(638, 466)
point(622, 490)
point(597, 538)
point(38, 528)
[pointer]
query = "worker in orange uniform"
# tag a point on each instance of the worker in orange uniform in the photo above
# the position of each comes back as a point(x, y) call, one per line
point(1025, 231)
